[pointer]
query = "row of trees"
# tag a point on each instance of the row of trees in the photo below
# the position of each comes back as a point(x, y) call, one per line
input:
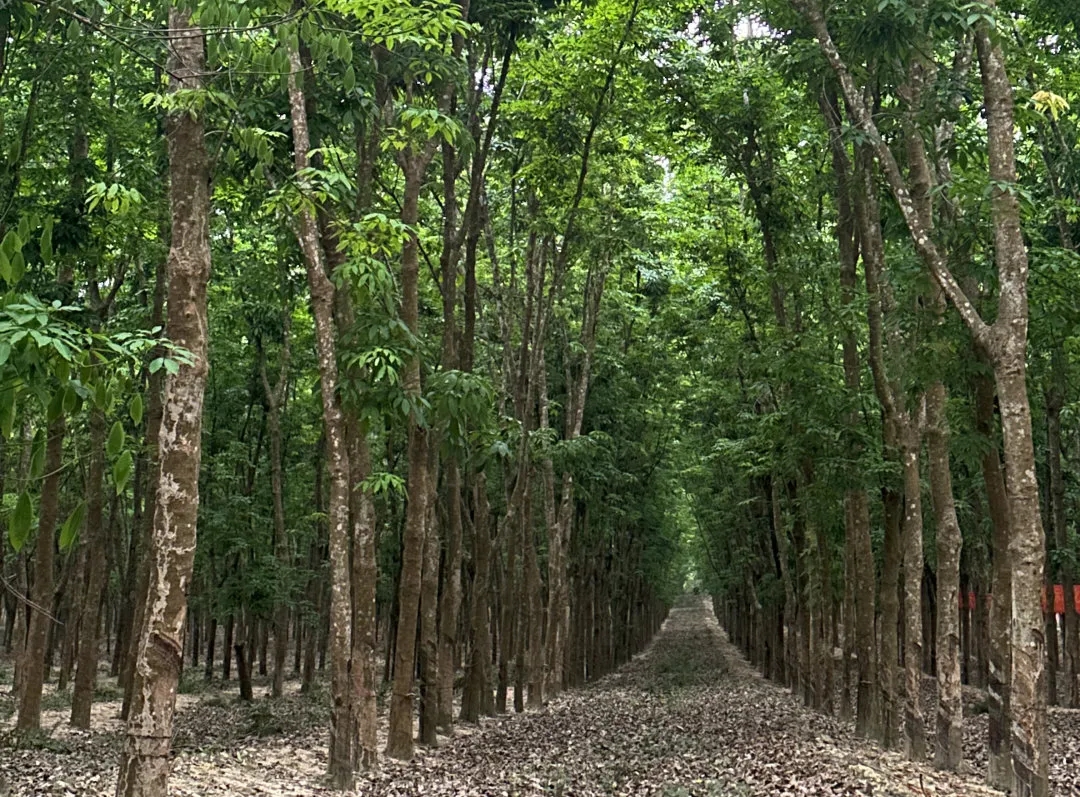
point(521, 314)
point(911, 173)
point(412, 418)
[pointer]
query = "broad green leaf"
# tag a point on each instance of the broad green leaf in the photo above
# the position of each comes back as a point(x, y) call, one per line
point(5, 351)
point(56, 406)
point(21, 519)
point(7, 412)
point(135, 409)
point(17, 268)
point(37, 456)
point(71, 399)
point(122, 471)
point(69, 532)
point(46, 242)
point(115, 442)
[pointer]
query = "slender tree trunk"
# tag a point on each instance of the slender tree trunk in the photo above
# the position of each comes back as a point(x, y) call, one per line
point(342, 755)
point(274, 396)
point(399, 742)
point(95, 541)
point(476, 696)
point(144, 763)
point(914, 723)
point(949, 750)
point(1070, 649)
point(428, 653)
point(32, 668)
point(451, 597)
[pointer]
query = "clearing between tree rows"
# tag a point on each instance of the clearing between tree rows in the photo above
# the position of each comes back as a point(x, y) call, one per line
point(688, 716)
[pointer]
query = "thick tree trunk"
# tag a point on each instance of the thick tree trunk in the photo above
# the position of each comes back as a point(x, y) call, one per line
point(1027, 547)
point(144, 764)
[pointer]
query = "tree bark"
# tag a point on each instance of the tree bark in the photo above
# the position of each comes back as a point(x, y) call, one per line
point(342, 755)
point(96, 542)
point(399, 742)
point(32, 669)
point(948, 751)
point(274, 396)
point(144, 764)
point(1071, 649)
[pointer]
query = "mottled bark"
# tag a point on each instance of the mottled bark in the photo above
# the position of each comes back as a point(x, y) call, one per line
point(948, 751)
point(144, 763)
point(341, 754)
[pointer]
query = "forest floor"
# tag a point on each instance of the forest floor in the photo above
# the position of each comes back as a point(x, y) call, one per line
point(686, 717)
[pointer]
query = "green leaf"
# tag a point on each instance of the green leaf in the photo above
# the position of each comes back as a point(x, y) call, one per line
point(56, 406)
point(122, 471)
point(5, 351)
point(37, 456)
point(5, 267)
point(71, 399)
point(18, 267)
point(46, 242)
point(350, 79)
point(116, 439)
point(69, 532)
point(21, 518)
point(135, 409)
point(7, 412)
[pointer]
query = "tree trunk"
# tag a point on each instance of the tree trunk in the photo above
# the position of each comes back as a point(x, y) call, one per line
point(399, 742)
point(32, 666)
point(451, 597)
point(274, 396)
point(95, 540)
point(144, 764)
point(341, 753)
point(1070, 652)
point(948, 751)
point(476, 696)
point(428, 653)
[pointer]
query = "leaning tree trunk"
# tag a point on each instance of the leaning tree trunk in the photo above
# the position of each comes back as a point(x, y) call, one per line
point(144, 763)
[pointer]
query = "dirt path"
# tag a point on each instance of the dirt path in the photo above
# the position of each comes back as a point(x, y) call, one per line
point(687, 717)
